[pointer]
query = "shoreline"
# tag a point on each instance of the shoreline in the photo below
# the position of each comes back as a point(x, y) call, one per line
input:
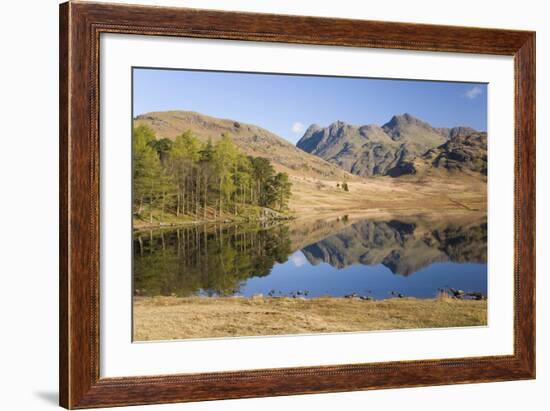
point(166, 318)
point(374, 214)
point(220, 221)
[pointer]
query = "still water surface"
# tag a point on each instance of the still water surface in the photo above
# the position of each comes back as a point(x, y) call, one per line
point(379, 259)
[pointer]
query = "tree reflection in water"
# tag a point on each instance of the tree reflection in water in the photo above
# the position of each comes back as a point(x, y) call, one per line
point(217, 260)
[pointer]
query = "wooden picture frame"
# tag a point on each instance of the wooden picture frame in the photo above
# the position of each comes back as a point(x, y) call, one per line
point(80, 27)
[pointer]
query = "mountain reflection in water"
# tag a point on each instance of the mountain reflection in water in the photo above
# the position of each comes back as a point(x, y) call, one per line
point(333, 257)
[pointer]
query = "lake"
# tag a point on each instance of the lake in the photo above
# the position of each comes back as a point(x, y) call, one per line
point(316, 257)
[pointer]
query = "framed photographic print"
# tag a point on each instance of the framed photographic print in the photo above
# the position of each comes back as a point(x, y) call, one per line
point(258, 205)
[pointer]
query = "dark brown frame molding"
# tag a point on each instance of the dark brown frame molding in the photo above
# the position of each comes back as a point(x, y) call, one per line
point(81, 24)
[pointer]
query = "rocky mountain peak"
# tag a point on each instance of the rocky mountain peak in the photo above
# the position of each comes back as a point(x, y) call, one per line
point(403, 119)
point(373, 150)
point(312, 129)
point(399, 125)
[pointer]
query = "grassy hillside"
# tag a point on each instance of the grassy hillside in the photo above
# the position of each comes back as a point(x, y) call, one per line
point(251, 139)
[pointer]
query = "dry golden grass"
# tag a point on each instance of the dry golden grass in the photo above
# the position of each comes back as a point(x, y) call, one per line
point(166, 318)
point(382, 195)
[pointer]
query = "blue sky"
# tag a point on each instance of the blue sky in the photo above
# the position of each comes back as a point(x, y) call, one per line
point(288, 104)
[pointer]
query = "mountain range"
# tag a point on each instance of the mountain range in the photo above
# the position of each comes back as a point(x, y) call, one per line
point(405, 145)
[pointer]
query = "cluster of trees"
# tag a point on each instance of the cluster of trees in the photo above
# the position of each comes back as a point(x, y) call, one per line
point(202, 180)
point(344, 186)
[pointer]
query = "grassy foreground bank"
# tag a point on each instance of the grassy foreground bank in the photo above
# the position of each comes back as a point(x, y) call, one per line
point(165, 318)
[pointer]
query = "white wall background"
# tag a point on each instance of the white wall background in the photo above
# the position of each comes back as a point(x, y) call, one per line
point(29, 191)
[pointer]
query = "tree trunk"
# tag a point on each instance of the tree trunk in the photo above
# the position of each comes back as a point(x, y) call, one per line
point(221, 195)
point(151, 202)
point(205, 195)
point(197, 194)
point(140, 208)
point(163, 203)
point(183, 199)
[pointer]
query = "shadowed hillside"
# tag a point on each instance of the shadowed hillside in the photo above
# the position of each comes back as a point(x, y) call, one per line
point(461, 153)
